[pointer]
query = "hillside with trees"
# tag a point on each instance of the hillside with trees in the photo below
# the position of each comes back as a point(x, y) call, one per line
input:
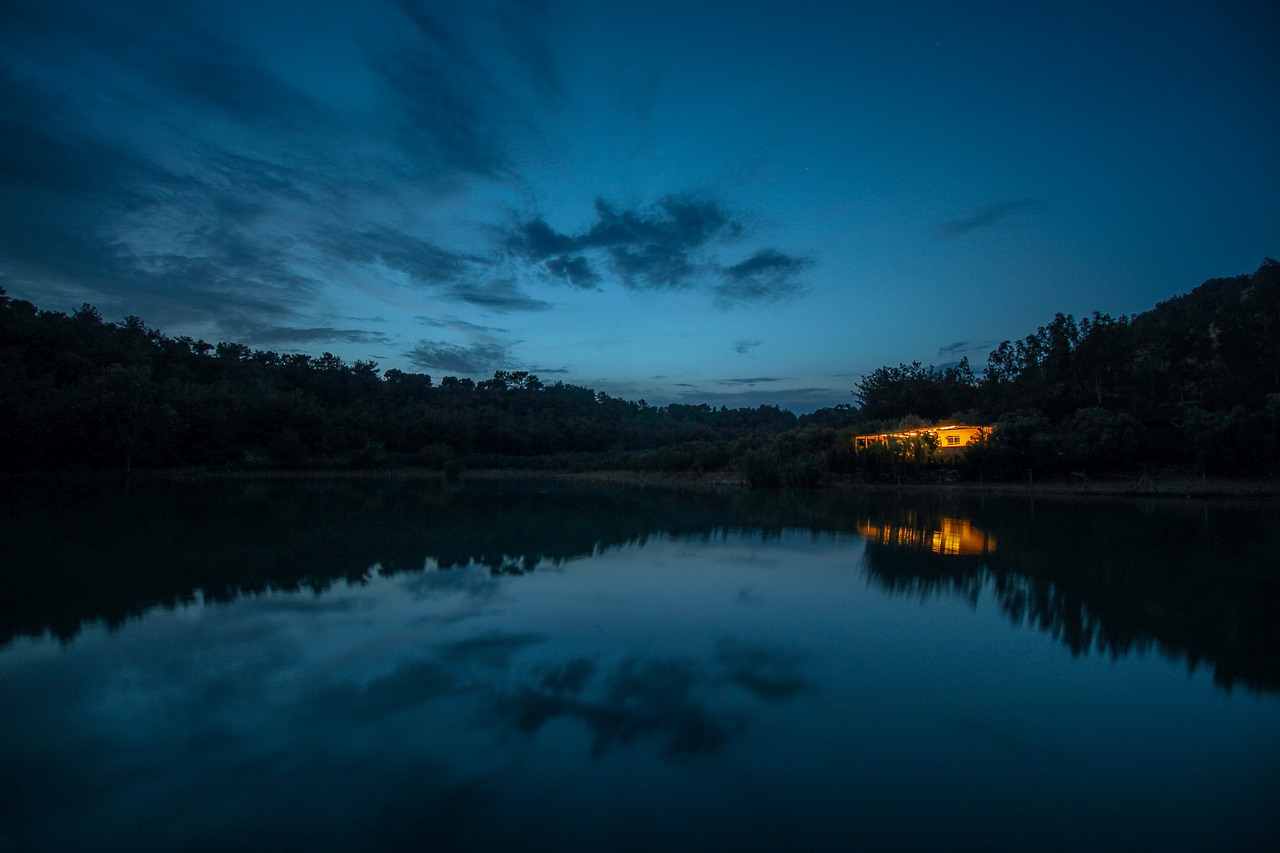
point(1195, 381)
point(77, 392)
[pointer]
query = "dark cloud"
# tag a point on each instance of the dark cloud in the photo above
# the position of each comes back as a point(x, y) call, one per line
point(411, 685)
point(255, 202)
point(207, 70)
point(95, 219)
point(799, 400)
point(41, 150)
point(423, 261)
point(569, 678)
point(516, 31)
point(745, 347)
point(665, 247)
point(462, 79)
point(769, 673)
point(748, 380)
point(479, 358)
point(959, 348)
point(666, 699)
point(653, 249)
point(642, 698)
point(492, 650)
point(984, 217)
point(538, 241)
point(55, 185)
point(457, 276)
point(463, 325)
point(500, 295)
point(574, 269)
point(256, 334)
point(525, 29)
point(153, 162)
point(438, 112)
point(767, 276)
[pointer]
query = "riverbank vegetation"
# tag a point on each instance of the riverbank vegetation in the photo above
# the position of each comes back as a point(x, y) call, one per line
point(1194, 382)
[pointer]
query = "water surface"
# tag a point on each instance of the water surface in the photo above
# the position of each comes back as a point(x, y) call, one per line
point(404, 665)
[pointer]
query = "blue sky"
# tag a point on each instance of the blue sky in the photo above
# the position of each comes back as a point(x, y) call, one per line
point(676, 201)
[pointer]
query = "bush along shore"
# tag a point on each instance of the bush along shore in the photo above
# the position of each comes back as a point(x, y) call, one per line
point(1181, 399)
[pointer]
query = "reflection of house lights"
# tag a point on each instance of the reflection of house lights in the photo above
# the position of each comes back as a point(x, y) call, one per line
point(954, 536)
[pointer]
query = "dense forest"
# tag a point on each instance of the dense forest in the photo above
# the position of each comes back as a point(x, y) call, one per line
point(1194, 381)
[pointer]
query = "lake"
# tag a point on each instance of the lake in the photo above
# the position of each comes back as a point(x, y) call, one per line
point(496, 665)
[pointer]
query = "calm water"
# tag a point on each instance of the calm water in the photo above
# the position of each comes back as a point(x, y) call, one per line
point(339, 666)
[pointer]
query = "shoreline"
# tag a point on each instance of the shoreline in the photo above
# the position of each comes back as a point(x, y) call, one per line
point(1163, 485)
point(1175, 486)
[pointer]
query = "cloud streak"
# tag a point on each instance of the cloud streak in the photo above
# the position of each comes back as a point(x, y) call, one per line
point(256, 334)
point(472, 359)
point(987, 217)
point(961, 348)
point(749, 381)
point(174, 170)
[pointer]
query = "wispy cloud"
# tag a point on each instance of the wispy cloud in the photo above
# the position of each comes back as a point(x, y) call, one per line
point(425, 263)
point(986, 217)
point(458, 325)
point(744, 347)
point(498, 294)
point(750, 381)
point(176, 170)
point(962, 348)
point(798, 400)
point(257, 334)
point(472, 359)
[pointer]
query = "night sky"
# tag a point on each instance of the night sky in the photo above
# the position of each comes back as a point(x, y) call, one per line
point(679, 201)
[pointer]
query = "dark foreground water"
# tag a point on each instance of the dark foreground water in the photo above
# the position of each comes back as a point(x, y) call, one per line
point(404, 665)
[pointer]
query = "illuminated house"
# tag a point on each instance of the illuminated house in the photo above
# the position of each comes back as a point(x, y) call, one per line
point(951, 439)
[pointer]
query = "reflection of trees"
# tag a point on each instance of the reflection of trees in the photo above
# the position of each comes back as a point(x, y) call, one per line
point(1120, 577)
point(920, 551)
point(73, 552)
point(1194, 583)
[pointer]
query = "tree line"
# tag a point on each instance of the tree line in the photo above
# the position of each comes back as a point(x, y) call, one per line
point(1195, 381)
point(79, 392)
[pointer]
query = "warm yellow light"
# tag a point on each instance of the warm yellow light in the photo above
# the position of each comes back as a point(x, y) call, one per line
point(952, 536)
